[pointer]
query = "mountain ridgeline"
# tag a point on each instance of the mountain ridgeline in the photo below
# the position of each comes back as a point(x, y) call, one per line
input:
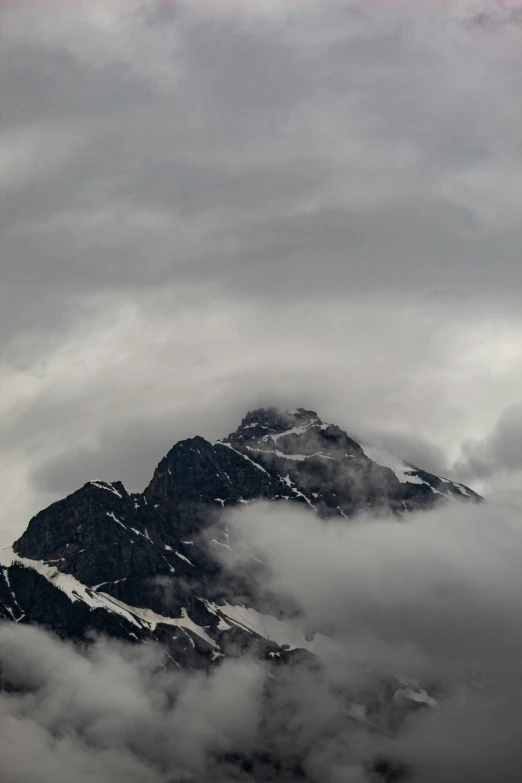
point(139, 566)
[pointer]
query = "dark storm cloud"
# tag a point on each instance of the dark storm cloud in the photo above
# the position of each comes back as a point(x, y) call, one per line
point(238, 138)
point(386, 244)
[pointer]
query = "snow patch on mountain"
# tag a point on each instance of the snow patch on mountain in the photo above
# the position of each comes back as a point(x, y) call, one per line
point(284, 633)
point(402, 470)
point(76, 591)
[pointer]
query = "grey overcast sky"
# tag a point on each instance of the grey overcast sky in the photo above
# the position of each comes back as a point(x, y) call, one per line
point(209, 206)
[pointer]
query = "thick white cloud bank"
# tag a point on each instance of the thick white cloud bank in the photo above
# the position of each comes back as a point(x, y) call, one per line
point(113, 713)
point(432, 602)
point(444, 583)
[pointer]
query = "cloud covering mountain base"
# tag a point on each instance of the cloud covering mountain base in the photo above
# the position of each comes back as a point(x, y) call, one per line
point(416, 665)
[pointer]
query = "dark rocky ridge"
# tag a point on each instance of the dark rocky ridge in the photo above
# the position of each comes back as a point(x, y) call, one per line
point(146, 550)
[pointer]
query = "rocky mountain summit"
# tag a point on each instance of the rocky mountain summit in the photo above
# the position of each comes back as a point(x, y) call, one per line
point(139, 566)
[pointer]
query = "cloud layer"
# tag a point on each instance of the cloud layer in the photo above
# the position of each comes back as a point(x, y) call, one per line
point(395, 608)
point(431, 600)
point(113, 713)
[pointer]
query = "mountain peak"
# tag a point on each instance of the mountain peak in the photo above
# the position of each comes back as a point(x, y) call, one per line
point(138, 566)
point(274, 420)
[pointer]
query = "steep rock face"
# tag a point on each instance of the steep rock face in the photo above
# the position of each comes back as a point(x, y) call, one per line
point(97, 530)
point(196, 474)
point(136, 565)
point(321, 465)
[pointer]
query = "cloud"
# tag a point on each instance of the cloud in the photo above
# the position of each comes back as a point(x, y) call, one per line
point(430, 603)
point(113, 712)
point(431, 599)
point(501, 449)
point(407, 582)
point(496, 459)
point(213, 143)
